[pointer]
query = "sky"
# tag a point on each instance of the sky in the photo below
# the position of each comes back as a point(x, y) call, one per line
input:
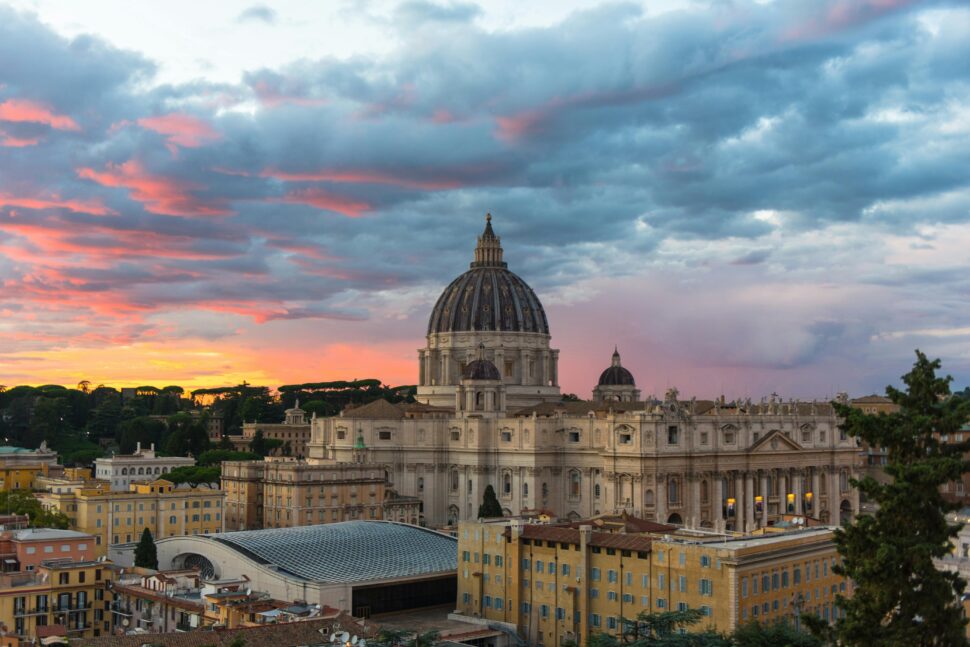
point(745, 197)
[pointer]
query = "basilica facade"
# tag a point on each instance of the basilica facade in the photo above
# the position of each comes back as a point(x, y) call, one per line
point(490, 412)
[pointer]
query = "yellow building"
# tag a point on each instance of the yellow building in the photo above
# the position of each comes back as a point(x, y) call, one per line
point(120, 517)
point(285, 492)
point(21, 477)
point(74, 595)
point(555, 582)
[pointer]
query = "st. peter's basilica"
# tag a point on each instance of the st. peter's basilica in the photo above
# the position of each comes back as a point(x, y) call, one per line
point(490, 412)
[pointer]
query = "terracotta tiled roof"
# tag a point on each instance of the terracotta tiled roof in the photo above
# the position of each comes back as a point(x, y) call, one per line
point(872, 399)
point(378, 409)
point(568, 535)
point(288, 634)
point(625, 523)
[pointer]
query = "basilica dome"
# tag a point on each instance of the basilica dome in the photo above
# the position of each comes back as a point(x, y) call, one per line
point(616, 375)
point(488, 297)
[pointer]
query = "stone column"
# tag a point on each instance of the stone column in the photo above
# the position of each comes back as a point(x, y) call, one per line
point(422, 378)
point(783, 494)
point(764, 500)
point(816, 492)
point(751, 521)
point(661, 498)
point(695, 501)
point(445, 367)
point(835, 497)
point(717, 502)
point(738, 502)
point(798, 491)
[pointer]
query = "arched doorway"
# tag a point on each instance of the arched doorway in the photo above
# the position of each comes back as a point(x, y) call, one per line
point(706, 524)
point(845, 512)
point(675, 519)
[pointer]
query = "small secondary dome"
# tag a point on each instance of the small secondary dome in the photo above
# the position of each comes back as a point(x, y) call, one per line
point(616, 375)
point(488, 296)
point(481, 368)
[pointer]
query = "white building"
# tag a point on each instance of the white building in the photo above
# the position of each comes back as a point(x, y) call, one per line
point(490, 412)
point(124, 469)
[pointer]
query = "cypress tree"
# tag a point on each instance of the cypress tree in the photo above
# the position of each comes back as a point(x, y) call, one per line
point(899, 596)
point(490, 506)
point(146, 555)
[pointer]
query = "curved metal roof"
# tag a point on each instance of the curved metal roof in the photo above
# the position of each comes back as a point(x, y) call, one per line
point(350, 551)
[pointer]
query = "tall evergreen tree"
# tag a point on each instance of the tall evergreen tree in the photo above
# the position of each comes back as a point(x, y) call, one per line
point(146, 555)
point(899, 597)
point(490, 506)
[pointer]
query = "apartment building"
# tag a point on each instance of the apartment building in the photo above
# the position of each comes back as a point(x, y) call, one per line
point(555, 582)
point(120, 517)
point(286, 492)
point(59, 593)
point(26, 549)
point(143, 465)
point(158, 601)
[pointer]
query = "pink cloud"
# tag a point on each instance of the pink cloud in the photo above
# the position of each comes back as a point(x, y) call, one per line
point(181, 130)
point(271, 96)
point(838, 16)
point(325, 200)
point(23, 110)
point(159, 194)
point(10, 141)
point(95, 207)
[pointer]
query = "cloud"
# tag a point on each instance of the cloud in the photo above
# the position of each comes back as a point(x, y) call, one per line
point(764, 196)
point(181, 130)
point(419, 11)
point(258, 13)
point(23, 110)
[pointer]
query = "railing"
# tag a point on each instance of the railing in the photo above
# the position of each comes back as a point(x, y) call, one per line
point(70, 608)
point(31, 612)
point(183, 626)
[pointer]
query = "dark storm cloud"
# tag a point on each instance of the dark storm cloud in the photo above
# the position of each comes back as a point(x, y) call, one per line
point(599, 144)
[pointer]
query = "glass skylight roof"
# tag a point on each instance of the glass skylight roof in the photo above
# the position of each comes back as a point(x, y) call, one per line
point(352, 551)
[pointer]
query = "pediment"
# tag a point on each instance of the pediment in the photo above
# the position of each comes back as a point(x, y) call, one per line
point(775, 441)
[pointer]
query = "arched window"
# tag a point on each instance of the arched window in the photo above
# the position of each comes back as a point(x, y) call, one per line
point(844, 481)
point(545, 490)
point(124, 471)
point(673, 490)
point(705, 494)
point(507, 483)
point(648, 498)
point(596, 490)
point(158, 471)
point(454, 480)
point(525, 489)
point(575, 483)
point(141, 471)
point(479, 400)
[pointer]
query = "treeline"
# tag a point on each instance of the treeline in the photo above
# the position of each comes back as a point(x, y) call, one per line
point(89, 421)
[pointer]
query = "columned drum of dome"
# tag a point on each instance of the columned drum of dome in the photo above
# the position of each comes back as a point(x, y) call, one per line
point(492, 306)
point(616, 384)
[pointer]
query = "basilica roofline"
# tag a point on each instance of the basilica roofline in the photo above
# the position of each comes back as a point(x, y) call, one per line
point(385, 410)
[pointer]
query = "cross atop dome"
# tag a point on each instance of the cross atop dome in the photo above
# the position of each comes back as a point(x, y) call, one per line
point(488, 252)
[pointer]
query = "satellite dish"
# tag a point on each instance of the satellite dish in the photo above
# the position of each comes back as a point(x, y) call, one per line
point(125, 622)
point(344, 637)
point(333, 637)
point(353, 641)
point(361, 643)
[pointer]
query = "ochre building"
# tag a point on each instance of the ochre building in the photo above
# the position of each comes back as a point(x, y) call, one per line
point(121, 517)
point(285, 492)
point(555, 582)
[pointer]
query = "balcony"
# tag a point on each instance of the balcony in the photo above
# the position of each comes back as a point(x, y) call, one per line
point(71, 608)
point(42, 611)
